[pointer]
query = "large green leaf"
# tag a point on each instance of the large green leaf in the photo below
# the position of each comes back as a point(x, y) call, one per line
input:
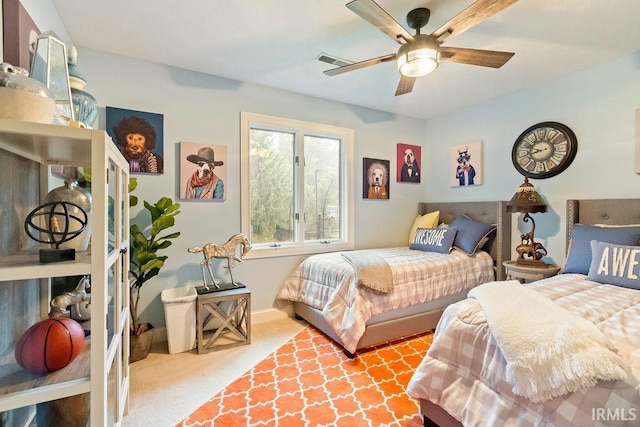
point(145, 259)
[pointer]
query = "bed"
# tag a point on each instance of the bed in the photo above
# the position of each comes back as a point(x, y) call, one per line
point(465, 379)
point(356, 318)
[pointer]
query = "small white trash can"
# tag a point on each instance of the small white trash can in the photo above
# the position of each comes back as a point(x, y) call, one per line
point(180, 317)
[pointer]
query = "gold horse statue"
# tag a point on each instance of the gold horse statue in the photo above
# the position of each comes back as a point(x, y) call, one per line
point(228, 250)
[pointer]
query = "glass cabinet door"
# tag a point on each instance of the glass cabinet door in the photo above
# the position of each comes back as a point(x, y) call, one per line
point(112, 190)
point(124, 204)
point(118, 289)
point(117, 278)
point(112, 313)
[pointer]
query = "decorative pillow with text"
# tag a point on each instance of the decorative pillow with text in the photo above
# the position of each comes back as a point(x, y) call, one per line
point(434, 239)
point(615, 264)
point(579, 254)
point(428, 220)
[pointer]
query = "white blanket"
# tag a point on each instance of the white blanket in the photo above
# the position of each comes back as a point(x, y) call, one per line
point(549, 351)
point(372, 271)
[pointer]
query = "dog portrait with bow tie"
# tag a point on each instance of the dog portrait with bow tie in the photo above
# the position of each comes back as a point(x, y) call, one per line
point(466, 161)
point(375, 179)
point(408, 163)
point(203, 171)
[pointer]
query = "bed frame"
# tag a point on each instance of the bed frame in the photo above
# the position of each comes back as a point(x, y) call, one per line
point(583, 211)
point(396, 324)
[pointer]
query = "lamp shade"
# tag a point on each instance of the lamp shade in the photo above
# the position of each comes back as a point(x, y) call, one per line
point(418, 58)
point(526, 200)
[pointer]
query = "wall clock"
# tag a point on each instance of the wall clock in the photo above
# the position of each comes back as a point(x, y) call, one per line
point(544, 150)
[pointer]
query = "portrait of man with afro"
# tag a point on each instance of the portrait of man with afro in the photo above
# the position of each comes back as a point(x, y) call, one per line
point(137, 138)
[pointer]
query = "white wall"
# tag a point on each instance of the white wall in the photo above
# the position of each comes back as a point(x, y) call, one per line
point(598, 104)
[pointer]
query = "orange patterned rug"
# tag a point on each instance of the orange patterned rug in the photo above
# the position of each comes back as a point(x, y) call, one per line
point(310, 382)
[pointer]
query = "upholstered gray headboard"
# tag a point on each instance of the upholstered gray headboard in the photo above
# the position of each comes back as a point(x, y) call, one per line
point(489, 212)
point(602, 211)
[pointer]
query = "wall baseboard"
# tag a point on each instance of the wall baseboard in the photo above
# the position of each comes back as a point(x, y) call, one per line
point(272, 314)
point(257, 317)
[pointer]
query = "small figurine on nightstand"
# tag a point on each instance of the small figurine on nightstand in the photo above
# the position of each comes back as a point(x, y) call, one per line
point(227, 250)
point(530, 248)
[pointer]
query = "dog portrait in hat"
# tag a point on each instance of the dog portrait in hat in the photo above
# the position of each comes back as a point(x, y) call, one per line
point(203, 172)
point(139, 137)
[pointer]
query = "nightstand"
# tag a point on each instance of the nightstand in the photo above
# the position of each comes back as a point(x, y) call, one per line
point(523, 273)
point(232, 310)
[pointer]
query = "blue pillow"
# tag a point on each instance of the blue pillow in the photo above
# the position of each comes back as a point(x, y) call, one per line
point(615, 264)
point(579, 256)
point(434, 239)
point(470, 233)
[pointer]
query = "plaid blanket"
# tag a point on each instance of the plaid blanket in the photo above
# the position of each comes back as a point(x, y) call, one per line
point(327, 282)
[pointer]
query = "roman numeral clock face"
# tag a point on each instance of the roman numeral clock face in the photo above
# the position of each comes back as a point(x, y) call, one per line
point(544, 150)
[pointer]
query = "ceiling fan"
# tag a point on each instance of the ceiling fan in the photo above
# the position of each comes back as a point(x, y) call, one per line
point(420, 54)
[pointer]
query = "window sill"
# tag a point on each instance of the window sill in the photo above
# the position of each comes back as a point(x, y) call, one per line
point(284, 250)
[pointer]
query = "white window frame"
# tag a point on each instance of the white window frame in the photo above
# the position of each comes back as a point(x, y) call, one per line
point(300, 128)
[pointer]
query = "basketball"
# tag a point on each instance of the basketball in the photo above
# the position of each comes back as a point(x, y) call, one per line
point(49, 345)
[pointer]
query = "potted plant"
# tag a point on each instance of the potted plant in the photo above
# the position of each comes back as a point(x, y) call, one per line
point(145, 262)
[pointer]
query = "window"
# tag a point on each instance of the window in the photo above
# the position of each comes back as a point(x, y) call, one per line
point(297, 186)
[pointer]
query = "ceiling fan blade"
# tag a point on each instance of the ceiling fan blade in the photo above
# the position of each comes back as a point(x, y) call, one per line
point(371, 12)
point(483, 58)
point(361, 64)
point(473, 15)
point(405, 85)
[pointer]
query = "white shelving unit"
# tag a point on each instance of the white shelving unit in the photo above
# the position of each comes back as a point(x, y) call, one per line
point(102, 369)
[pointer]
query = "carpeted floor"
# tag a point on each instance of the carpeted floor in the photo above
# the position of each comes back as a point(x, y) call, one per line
point(309, 382)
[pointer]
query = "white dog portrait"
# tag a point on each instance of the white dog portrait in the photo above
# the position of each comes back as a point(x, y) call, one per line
point(203, 171)
point(376, 179)
point(408, 163)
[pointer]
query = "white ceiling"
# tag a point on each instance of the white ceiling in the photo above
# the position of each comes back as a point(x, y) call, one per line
point(275, 42)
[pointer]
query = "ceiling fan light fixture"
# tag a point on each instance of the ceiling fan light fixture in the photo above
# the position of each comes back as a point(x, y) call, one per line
point(418, 62)
point(418, 58)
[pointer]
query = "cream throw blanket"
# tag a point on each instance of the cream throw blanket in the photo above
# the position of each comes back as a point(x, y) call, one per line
point(549, 350)
point(371, 270)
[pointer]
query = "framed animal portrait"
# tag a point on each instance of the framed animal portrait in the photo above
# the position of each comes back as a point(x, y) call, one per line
point(139, 137)
point(375, 178)
point(408, 160)
point(203, 172)
point(466, 164)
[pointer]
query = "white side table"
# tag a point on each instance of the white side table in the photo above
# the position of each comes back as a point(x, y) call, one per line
point(524, 273)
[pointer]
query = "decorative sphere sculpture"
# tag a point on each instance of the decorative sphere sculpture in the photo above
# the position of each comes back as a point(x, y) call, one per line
point(52, 211)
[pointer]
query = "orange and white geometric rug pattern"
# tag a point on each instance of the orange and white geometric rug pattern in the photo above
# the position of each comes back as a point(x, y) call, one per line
point(310, 382)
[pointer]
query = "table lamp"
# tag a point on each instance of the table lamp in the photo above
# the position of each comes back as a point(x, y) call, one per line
point(528, 201)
